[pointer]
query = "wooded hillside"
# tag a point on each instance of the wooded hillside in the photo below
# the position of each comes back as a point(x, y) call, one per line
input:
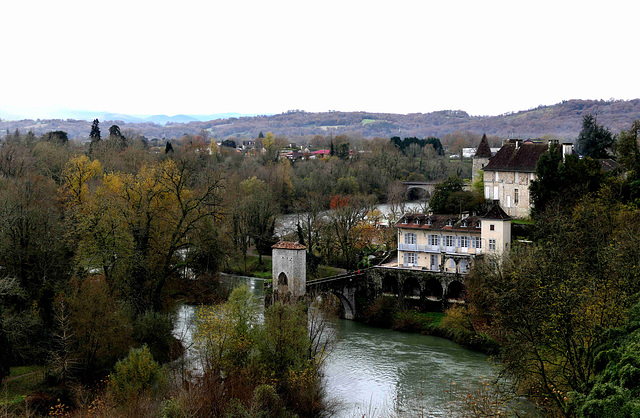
point(561, 120)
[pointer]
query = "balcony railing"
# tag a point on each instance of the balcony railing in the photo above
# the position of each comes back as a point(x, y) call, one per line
point(438, 249)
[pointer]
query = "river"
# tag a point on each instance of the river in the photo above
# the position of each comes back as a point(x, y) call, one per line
point(286, 224)
point(376, 372)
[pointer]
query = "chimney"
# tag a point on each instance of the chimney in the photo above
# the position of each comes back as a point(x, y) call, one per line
point(518, 142)
point(553, 142)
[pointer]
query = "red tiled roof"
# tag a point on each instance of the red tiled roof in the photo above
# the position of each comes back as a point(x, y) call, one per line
point(288, 245)
point(524, 158)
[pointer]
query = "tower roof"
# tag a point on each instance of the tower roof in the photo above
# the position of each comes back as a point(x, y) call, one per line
point(288, 245)
point(483, 151)
point(496, 212)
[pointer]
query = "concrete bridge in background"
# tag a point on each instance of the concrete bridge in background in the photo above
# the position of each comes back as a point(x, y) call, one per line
point(423, 290)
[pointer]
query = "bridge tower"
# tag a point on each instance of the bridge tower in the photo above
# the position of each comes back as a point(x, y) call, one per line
point(289, 269)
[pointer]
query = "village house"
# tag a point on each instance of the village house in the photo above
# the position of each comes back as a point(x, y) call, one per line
point(449, 243)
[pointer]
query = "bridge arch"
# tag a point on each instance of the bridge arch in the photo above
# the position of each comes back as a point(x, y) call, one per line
point(433, 288)
point(455, 290)
point(411, 287)
point(390, 285)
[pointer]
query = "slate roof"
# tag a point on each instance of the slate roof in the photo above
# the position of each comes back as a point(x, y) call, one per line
point(483, 151)
point(522, 159)
point(424, 221)
point(608, 164)
point(496, 212)
point(288, 245)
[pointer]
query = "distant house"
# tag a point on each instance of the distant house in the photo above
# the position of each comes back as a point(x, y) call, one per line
point(509, 173)
point(320, 153)
point(449, 243)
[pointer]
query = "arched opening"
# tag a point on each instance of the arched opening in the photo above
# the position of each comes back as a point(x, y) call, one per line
point(433, 289)
point(282, 280)
point(417, 193)
point(455, 290)
point(390, 286)
point(411, 288)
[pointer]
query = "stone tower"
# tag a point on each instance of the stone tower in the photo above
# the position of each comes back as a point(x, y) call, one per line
point(483, 153)
point(289, 268)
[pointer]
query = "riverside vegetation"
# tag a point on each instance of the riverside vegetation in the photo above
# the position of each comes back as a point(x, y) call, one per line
point(100, 240)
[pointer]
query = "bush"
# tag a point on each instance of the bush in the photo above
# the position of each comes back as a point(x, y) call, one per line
point(138, 374)
point(155, 330)
point(382, 311)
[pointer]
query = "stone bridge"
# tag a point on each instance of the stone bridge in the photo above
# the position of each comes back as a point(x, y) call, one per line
point(423, 290)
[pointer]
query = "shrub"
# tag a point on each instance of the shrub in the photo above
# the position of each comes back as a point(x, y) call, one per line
point(382, 311)
point(155, 330)
point(138, 374)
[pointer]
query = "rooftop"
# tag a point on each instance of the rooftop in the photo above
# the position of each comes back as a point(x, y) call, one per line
point(516, 155)
point(288, 245)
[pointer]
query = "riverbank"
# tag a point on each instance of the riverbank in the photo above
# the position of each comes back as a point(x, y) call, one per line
point(452, 325)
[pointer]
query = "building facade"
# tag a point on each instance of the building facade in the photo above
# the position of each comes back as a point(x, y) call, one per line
point(509, 173)
point(449, 243)
point(289, 268)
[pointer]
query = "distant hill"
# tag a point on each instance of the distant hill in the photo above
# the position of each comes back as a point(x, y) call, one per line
point(561, 120)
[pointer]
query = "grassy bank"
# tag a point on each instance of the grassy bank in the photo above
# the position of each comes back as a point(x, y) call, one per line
point(453, 324)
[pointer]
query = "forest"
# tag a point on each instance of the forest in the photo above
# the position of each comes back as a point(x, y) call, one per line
point(100, 240)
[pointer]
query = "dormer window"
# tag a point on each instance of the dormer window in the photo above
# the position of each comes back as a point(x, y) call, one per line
point(464, 224)
point(404, 220)
point(417, 221)
point(449, 222)
point(477, 224)
point(428, 222)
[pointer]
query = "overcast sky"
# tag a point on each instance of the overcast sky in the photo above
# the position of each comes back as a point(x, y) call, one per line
point(204, 57)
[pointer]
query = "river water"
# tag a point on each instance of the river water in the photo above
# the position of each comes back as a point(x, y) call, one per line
point(286, 224)
point(376, 372)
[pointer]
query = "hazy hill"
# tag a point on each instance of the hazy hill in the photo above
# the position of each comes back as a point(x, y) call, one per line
point(562, 120)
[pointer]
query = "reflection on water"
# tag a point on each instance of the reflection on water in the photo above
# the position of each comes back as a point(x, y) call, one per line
point(377, 372)
point(384, 371)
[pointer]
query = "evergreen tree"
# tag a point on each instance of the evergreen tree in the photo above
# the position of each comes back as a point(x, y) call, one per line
point(168, 148)
point(116, 137)
point(594, 140)
point(94, 135)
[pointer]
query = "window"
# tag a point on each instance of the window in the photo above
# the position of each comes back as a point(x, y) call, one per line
point(476, 242)
point(487, 192)
point(516, 196)
point(508, 201)
point(495, 193)
point(464, 224)
point(428, 222)
point(492, 244)
point(516, 178)
point(410, 258)
point(492, 227)
point(448, 240)
point(410, 238)
point(531, 176)
point(464, 242)
point(434, 262)
point(478, 224)
point(496, 176)
point(434, 239)
point(449, 222)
